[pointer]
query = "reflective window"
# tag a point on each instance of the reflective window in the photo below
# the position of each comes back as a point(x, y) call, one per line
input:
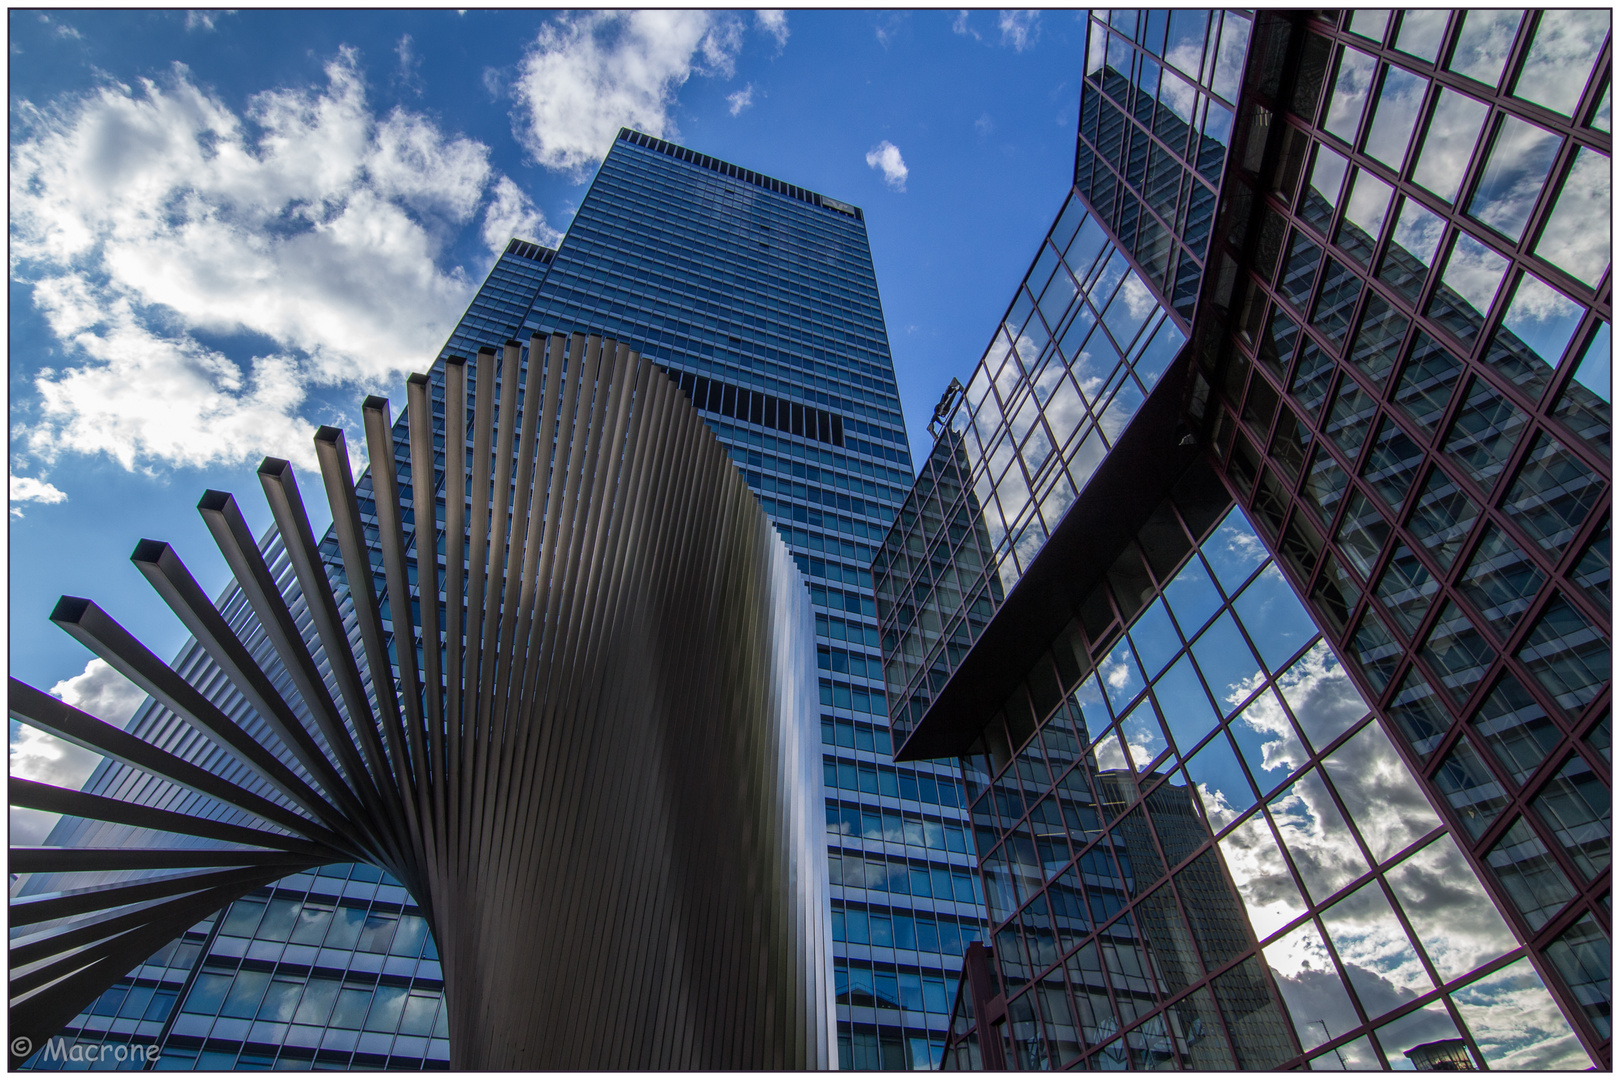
point(1323, 188)
point(1483, 44)
point(1521, 156)
point(1381, 962)
point(1530, 874)
point(1535, 331)
point(1552, 494)
point(1349, 94)
point(1376, 651)
point(1442, 518)
point(1406, 589)
point(1364, 216)
point(1565, 46)
point(1352, 413)
point(1449, 910)
point(1392, 464)
point(1449, 143)
point(1575, 803)
point(1516, 729)
point(1362, 534)
point(1583, 956)
point(1299, 272)
point(1380, 793)
point(1426, 382)
point(1341, 288)
point(1515, 1022)
point(1568, 655)
point(1426, 1039)
point(1412, 249)
point(1602, 113)
point(1422, 33)
point(1395, 117)
point(1314, 832)
point(1457, 652)
point(1468, 287)
point(1584, 405)
point(1378, 341)
point(1500, 580)
point(1484, 432)
point(1313, 377)
point(1576, 237)
point(1418, 713)
point(1468, 785)
point(1370, 24)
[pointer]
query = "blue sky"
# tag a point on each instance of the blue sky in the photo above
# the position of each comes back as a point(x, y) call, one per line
point(227, 229)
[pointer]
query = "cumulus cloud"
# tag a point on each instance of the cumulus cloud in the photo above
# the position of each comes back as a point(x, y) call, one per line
point(102, 692)
point(775, 24)
point(589, 74)
point(1020, 29)
point(146, 217)
point(511, 213)
point(741, 99)
point(28, 489)
point(885, 156)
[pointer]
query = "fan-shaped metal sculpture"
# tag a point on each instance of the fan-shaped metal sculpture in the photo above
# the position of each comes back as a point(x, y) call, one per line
point(601, 786)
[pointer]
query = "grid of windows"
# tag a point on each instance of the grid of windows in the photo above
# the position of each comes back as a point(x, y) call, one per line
point(1081, 346)
point(1209, 844)
point(1419, 419)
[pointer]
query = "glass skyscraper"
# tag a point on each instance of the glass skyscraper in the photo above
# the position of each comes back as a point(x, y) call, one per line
point(759, 298)
point(1277, 661)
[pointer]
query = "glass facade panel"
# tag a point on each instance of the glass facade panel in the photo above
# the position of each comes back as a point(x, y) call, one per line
point(1575, 236)
point(1449, 142)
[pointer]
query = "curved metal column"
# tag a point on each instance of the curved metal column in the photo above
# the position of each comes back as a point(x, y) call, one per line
point(604, 792)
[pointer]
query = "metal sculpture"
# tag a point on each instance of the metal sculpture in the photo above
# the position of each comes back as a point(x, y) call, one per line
point(603, 792)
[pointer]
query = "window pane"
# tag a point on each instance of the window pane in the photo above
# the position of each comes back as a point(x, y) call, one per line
point(1530, 874)
point(1449, 143)
point(1449, 910)
point(1560, 60)
point(1399, 102)
point(1427, 382)
point(1323, 188)
point(1500, 580)
point(1516, 729)
point(1468, 287)
point(1584, 405)
point(1406, 589)
point(1364, 216)
point(1457, 653)
point(1469, 786)
point(1583, 956)
point(1352, 414)
point(1349, 94)
point(1312, 378)
point(1576, 237)
point(1417, 711)
point(1442, 518)
point(1568, 655)
point(1362, 534)
point(1341, 288)
point(1521, 156)
point(1552, 495)
point(1392, 464)
point(1375, 650)
point(1379, 339)
point(1576, 804)
point(1370, 24)
point(1310, 987)
point(1422, 33)
point(1378, 958)
point(1316, 835)
point(1411, 250)
point(1602, 114)
point(1484, 432)
point(1300, 271)
point(1379, 792)
point(1483, 45)
point(1534, 333)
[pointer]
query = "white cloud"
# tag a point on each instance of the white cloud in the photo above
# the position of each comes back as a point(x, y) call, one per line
point(1020, 29)
point(960, 26)
point(62, 29)
point(888, 26)
point(410, 65)
point(102, 692)
point(142, 217)
point(886, 156)
point(741, 99)
point(984, 125)
point(202, 20)
point(587, 75)
point(775, 24)
point(27, 489)
point(511, 213)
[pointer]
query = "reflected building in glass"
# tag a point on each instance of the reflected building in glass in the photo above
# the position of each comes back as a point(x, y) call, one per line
point(760, 299)
point(1267, 609)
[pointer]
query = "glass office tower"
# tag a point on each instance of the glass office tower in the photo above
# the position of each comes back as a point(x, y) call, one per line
point(1287, 735)
point(759, 297)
